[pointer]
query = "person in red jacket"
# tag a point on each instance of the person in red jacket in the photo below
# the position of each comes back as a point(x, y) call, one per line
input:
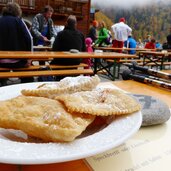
point(151, 44)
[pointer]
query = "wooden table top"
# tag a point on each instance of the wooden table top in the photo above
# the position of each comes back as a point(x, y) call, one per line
point(79, 165)
point(165, 53)
point(126, 49)
point(50, 54)
point(42, 48)
point(141, 88)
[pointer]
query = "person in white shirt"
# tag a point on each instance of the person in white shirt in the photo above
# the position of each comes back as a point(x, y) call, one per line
point(121, 32)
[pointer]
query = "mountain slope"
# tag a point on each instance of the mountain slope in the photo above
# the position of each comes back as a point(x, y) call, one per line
point(154, 20)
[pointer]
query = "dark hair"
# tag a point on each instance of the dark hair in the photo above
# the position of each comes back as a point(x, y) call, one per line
point(47, 8)
point(71, 21)
point(12, 9)
point(153, 40)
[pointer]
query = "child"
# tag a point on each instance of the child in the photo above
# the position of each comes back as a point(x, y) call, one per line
point(88, 42)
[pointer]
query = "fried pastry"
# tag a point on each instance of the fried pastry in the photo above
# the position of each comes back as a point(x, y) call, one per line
point(43, 118)
point(66, 85)
point(102, 102)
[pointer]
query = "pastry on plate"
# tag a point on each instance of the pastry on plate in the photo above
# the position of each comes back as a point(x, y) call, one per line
point(102, 102)
point(42, 118)
point(66, 85)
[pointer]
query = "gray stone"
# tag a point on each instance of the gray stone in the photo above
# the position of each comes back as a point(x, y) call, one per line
point(154, 111)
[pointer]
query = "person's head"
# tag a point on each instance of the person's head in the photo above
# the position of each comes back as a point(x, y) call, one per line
point(149, 37)
point(122, 20)
point(48, 11)
point(153, 40)
point(88, 41)
point(12, 9)
point(102, 24)
point(130, 35)
point(95, 23)
point(71, 22)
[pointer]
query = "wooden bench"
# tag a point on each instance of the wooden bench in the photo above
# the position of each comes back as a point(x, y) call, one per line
point(46, 70)
point(126, 60)
point(68, 72)
point(52, 67)
point(167, 71)
point(55, 55)
point(152, 64)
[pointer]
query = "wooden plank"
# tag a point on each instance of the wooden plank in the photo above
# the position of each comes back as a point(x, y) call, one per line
point(46, 73)
point(154, 64)
point(142, 88)
point(167, 71)
point(37, 67)
point(126, 60)
point(55, 55)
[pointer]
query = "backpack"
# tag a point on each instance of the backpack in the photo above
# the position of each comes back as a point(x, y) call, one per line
point(45, 78)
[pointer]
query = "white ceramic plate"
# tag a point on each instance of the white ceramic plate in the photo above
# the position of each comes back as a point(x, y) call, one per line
point(15, 150)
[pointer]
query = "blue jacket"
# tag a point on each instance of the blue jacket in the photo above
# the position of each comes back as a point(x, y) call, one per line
point(131, 43)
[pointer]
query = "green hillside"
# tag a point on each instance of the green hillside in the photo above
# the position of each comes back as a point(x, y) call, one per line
point(154, 20)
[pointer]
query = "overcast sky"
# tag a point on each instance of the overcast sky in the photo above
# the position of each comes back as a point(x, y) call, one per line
point(125, 3)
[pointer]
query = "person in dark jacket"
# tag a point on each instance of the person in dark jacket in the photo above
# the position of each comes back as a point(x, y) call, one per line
point(14, 36)
point(14, 33)
point(42, 27)
point(93, 31)
point(169, 40)
point(67, 39)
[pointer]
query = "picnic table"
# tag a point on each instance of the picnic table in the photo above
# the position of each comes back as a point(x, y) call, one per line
point(52, 55)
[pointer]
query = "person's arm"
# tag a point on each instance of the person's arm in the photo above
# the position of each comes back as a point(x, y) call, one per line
point(35, 27)
point(51, 27)
point(129, 30)
point(25, 36)
point(113, 28)
point(29, 34)
point(36, 30)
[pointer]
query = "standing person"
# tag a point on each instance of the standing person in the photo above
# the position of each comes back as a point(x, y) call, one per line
point(121, 32)
point(67, 39)
point(42, 27)
point(93, 31)
point(131, 43)
point(14, 37)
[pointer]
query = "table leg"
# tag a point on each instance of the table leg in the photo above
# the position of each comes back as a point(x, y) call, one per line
point(162, 61)
point(114, 69)
point(95, 65)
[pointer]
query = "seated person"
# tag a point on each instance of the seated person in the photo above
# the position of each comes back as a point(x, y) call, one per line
point(103, 35)
point(67, 39)
point(14, 37)
point(131, 43)
point(158, 45)
point(151, 44)
point(169, 40)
